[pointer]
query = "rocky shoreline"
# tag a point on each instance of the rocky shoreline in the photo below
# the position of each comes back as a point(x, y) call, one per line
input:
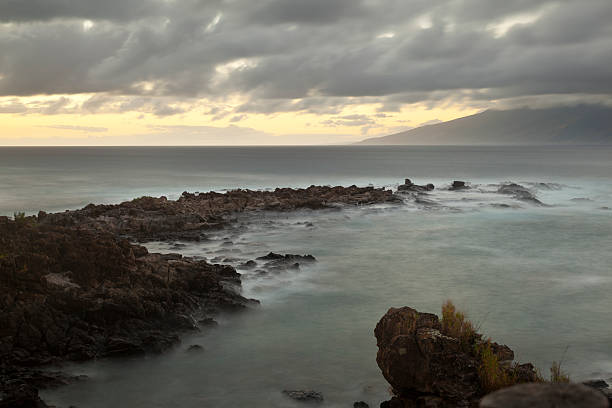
point(77, 286)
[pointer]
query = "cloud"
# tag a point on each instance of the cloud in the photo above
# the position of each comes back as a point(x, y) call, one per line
point(319, 56)
point(88, 129)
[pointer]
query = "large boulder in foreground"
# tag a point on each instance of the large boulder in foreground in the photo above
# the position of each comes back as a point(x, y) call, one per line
point(545, 396)
point(422, 365)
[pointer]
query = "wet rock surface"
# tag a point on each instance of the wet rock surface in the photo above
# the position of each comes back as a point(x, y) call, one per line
point(276, 262)
point(458, 185)
point(409, 186)
point(70, 294)
point(545, 396)
point(187, 219)
point(519, 192)
point(304, 395)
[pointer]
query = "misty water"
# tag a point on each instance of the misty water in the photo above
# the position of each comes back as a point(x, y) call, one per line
point(537, 278)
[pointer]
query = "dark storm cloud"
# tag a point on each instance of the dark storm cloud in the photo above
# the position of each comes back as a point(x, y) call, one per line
point(310, 12)
point(36, 10)
point(316, 55)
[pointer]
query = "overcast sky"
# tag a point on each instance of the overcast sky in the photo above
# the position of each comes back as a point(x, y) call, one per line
point(286, 71)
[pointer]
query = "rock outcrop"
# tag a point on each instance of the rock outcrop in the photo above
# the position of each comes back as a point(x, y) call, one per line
point(149, 218)
point(409, 186)
point(458, 185)
point(427, 368)
point(519, 192)
point(69, 293)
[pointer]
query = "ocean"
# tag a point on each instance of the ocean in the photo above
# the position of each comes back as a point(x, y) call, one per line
point(537, 278)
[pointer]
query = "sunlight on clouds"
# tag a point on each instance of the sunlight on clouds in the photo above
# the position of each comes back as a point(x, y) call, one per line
point(386, 35)
point(70, 124)
point(211, 26)
point(424, 22)
point(500, 28)
point(87, 25)
point(223, 71)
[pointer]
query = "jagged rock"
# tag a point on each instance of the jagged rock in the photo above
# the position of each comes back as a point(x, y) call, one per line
point(410, 186)
point(304, 395)
point(150, 218)
point(278, 263)
point(545, 396)
point(458, 185)
point(118, 299)
point(416, 358)
point(22, 396)
point(427, 368)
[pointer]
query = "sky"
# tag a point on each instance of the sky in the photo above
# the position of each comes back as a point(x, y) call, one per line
point(283, 72)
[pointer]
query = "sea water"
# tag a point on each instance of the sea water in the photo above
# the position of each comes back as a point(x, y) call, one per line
point(537, 278)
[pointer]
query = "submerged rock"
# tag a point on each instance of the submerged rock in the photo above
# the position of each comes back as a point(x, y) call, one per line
point(248, 265)
point(304, 395)
point(545, 396)
point(360, 404)
point(278, 263)
point(519, 192)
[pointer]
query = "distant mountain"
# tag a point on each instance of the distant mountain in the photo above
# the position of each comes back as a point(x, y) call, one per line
point(583, 124)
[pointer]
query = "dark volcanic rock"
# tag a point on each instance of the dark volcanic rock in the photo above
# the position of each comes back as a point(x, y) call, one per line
point(410, 186)
point(519, 192)
point(417, 359)
point(427, 368)
point(545, 396)
point(304, 395)
point(149, 218)
point(360, 404)
point(458, 185)
point(76, 294)
point(278, 263)
point(21, 396)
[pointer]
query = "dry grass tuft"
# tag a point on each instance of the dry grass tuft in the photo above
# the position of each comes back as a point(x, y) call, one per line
point(454, 324)
point(491, 374)
point(557, 375)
